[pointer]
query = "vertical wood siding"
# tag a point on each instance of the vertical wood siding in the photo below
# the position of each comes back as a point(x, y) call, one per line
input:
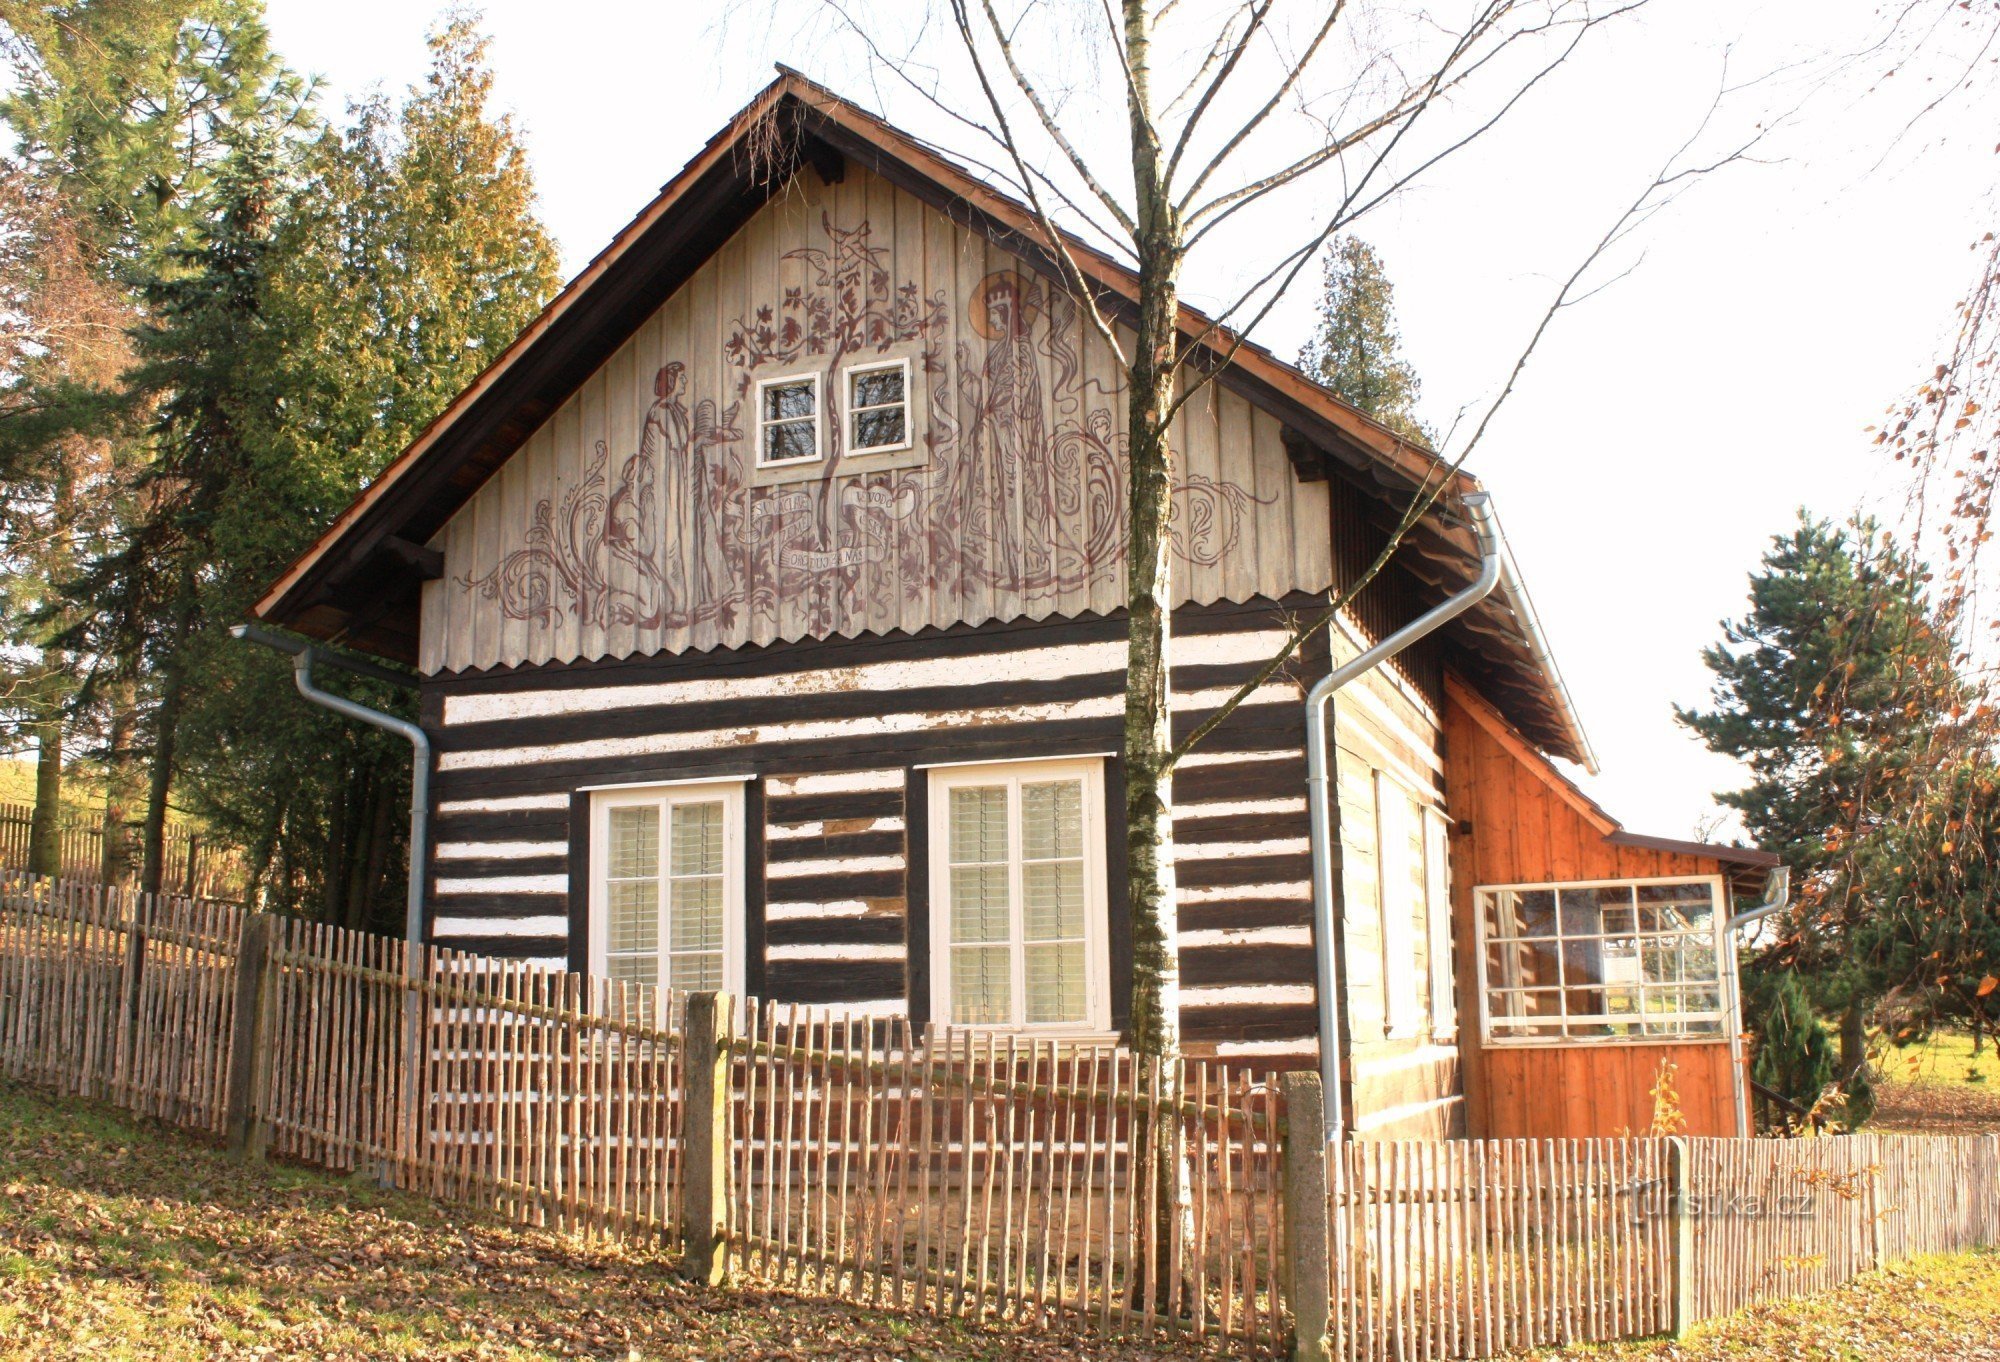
point(1512, 825)
point(637, 520)
point(832, 730)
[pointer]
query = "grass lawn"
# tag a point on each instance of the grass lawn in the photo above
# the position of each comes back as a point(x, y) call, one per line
point(1938, 1088)
point(120, 1240)
point(1925, 1310)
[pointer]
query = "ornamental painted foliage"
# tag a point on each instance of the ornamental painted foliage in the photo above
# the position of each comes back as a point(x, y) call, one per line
point(1019, 494)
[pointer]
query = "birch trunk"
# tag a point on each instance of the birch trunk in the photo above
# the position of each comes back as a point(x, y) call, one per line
point(1149, 835)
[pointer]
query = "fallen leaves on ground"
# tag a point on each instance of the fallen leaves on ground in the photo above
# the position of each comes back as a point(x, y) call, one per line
point(118, 1240)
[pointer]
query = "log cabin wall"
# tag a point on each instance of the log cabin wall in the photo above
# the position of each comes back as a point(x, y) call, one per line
point(1516, 820)
point(1397, 1005)
point(833, 731)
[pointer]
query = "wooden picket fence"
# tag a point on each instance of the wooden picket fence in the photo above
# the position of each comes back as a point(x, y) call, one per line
point(955, 1173)
point(966, 1173)
point(193, 865)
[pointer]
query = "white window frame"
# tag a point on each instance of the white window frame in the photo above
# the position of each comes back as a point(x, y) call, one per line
point(1723, 1015)
point(1438, 906)
point(848, 411)
point(664, 797)
point(818, 420)
point(1096, 1023)
point(1402, 997)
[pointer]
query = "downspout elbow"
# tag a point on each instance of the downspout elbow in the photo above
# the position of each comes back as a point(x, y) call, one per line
point(1319, 794)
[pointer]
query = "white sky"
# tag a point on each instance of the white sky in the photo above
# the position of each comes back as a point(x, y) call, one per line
point(1665, 429)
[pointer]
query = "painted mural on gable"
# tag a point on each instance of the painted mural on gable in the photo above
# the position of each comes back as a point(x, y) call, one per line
point(1014, 497)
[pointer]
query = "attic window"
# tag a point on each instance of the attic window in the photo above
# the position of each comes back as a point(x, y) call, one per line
point(788, 420)
point(1620, 960)
point(878, 407)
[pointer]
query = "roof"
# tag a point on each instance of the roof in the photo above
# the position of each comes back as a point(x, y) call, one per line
point(360, 582)
point(1745, 867)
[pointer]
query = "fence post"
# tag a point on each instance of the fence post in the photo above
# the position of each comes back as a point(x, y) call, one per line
point(1680, 1198)
point(1992, 1196)
point(705, 1140)
point(253, 963)
point(1305, 1267)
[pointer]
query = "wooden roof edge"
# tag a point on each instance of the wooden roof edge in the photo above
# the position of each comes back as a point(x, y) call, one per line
point(1736, 855)
point(1483, 712)
point(1397, 452)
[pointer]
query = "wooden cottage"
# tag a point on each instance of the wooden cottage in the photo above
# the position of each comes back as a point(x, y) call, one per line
point(766, 598)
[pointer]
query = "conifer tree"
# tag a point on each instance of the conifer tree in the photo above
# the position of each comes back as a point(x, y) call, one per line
point(1835, 690)
point(1356, 347)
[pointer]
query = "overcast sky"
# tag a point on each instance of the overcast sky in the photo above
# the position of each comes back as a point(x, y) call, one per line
point(1665, 428)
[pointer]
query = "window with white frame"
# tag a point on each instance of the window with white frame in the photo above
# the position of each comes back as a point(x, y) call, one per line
point(1018, 896)
point(666, 886)
point(1437, 894)
point(1399, 825)
point(878, 406)
point(1604, 960)
point(788, 419)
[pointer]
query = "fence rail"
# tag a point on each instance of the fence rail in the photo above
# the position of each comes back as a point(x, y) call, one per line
point(956, 1173)
point(192, 865)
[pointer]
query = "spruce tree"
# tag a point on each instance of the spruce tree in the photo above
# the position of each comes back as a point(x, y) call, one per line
point(1834, 690)
point(1356, 348)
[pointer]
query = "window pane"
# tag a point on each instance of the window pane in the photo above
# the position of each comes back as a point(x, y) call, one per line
point(1054, 907)
point(696, 919)
point(1521, 912)
point(783, 401)
point(878, 387)
point(979, 903)
point(1051, 820)
point(981, 989)
point(978, 824)
point(791, 440)
point(633, 915)
point(1636, 959)
point(873, 429)
point(697, 973)
point(1056, 984)
point(695, 895)
point(635, 842)
point(634, 969)
point(697, 830)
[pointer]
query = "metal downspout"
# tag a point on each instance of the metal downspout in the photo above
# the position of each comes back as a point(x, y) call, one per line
point(1777, 895)
point(1319, 705)
point(420, 805)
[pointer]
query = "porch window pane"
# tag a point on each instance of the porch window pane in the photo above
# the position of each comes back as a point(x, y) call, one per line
point(1629, 960)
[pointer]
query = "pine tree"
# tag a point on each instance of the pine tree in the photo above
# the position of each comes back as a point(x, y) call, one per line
point(1355, 350)
point(1834, 690)
point(405, 259)
point(123, 114)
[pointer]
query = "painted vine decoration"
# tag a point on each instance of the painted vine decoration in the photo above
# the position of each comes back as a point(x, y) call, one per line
point(1022, 492)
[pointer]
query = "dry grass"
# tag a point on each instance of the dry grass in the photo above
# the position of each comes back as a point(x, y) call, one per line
point(118, 1240)
point(1938, 1088)
point(1922, 1311)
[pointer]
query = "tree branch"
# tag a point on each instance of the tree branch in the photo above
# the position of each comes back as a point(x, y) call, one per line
point(1426, 494)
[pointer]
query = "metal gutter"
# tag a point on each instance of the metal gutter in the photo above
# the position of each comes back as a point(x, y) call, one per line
point(1777, 895)
point(303, 655)
point(1538, 645)
point(1319, 705)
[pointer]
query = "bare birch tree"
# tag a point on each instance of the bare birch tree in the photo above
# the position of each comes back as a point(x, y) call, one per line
point(1235, 111)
